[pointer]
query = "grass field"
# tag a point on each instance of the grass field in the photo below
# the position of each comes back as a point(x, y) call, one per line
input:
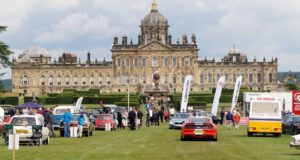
point(158, 143)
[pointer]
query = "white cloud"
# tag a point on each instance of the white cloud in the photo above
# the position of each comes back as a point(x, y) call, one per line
point(13, 12)
point(58, 4)
point(76, 25)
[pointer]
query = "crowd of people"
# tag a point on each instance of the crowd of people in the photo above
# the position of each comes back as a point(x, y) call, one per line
point(232, 118)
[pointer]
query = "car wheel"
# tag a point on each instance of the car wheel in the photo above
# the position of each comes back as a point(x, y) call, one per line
point(215, 139)
point(61, 133)
point(250, 134)
point(277, 134)
point(87, 133)
point(183, 138)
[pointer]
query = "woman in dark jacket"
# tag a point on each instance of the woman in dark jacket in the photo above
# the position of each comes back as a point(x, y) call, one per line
point(120, 118)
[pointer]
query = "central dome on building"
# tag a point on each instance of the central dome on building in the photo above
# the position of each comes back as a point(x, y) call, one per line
point(154, 18)
point(154, 27)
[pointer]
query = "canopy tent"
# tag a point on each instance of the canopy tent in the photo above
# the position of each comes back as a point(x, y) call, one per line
point(32, 105)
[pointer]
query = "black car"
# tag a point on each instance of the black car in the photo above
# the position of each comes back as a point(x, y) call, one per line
point(291, 124)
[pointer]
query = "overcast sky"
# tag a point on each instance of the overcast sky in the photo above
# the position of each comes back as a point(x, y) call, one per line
point(259, 28)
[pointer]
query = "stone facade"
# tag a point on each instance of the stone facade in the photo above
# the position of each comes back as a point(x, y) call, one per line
point(135, 64)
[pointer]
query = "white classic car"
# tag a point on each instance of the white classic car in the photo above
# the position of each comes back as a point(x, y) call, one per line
point(30, 128)
point(295, 141)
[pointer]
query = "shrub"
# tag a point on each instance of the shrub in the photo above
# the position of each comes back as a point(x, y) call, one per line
point(9, 100)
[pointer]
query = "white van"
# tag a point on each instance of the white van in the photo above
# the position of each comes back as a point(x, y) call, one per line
point(58, 112)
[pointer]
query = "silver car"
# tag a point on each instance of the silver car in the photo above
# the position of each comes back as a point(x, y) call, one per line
point(295, 141)
point(178, 120)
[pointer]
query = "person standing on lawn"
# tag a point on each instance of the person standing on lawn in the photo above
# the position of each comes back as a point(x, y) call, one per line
point(222, 114)
point(229, 119)
point(140, 117)
point(67, 117)
point(236, 118)
point(132, 117)
point(49, 121)
point(148, 118)
point(120, 118)
point(80, 120)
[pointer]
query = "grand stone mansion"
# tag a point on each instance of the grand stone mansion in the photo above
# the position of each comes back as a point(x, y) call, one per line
point(154, 64)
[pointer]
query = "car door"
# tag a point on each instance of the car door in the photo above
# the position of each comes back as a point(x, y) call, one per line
point(288, 128)
point(45, 130)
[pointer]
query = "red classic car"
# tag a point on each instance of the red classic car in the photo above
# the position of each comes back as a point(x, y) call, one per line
point(199, 127)
point(103, 119)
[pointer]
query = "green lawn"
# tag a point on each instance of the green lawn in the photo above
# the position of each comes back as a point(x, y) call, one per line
point(156, 143)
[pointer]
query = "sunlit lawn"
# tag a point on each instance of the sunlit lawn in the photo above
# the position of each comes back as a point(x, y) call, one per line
point(157, 143)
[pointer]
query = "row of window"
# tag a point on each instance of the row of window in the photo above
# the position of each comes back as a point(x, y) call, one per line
point(67, 80)
point(167, 62)
point(126, 79)
point(234, 77)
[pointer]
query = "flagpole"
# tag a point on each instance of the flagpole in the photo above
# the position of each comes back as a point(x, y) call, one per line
point(128, 95)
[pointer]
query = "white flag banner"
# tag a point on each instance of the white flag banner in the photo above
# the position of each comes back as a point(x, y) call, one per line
point(185, 93)
point(219, 88)
point(236, 92)
point(78, 104)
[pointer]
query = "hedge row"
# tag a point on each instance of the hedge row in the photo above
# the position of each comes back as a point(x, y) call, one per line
point(9, 100)
point(177, 104)
point(125, 104)
point(223, 99)
point(86, 100)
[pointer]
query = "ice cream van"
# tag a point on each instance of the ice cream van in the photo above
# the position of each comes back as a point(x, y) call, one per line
point(265, 118)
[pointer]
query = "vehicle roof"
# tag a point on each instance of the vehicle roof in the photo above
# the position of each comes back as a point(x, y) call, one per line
point(199, 117)
point(59, 107)
point(182, 113)
point(293, 115)
point(105, 114)
point(27, 115)
point(110, 105)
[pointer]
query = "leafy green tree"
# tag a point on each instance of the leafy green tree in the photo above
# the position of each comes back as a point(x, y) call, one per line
point(4, 56)
point(4, 52)
point(292, 87)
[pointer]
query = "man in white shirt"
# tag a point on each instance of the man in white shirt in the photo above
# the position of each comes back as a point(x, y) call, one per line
point(172, 112)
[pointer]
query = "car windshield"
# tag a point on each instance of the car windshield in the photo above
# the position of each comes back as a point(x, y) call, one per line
point(119, 109)
point(23, 121)
point(75, 117)
point(60, 111)
point(296, 119)
point(182, 115)
point(265, 109)
point(202, 114)
point(200, 120)
point(95, 112)
point(105, 117)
